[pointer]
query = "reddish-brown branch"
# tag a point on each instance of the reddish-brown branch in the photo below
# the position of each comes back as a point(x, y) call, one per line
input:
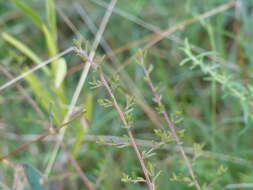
point(39, 138)
point(171, 125)
point(129, 132)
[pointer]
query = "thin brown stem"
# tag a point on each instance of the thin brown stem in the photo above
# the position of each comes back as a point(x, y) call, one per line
point(129, 132)
point(39, 138)
point(81, 174)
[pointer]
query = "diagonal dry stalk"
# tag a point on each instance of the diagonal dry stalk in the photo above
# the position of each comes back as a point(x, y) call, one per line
point(126, 125)
point(154, 28)
point(164, 33)
point(41, 137)
point(93, 28)
point(159, 35)
point(79, 170)
point(37, 67)
point(170, 124)
point(81, 82)
point(69, 23)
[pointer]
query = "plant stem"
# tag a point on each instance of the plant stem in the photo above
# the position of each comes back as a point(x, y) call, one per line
point(171, 126)
point(129, 132)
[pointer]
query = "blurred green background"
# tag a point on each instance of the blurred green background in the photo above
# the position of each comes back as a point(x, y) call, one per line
point(213, 116)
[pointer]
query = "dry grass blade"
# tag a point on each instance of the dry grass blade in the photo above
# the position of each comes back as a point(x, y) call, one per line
point(156, 29)
point(158, 35)
point(69, 23)
point(162, 34)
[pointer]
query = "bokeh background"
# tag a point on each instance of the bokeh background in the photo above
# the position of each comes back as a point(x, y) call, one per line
point(214, 115)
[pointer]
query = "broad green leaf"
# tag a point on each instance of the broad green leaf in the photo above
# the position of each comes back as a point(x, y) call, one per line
point(24, 49)
point(34, 177)
point(51, 43)
point(60, 72)
point(50, 36)
point(31, 13)
point(89, 106)
point(80, 134)
point(44, 98)
point(51, 17)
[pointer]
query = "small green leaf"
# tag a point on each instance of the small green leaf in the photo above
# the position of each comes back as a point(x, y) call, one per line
point(105, 102)
point(34, 177)
point(44, 98)
point(60, 72)
point(125, 178)
point(157, 175)
point(222, 170)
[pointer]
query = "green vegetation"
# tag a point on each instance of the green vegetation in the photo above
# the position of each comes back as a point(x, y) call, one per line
point(107, 94)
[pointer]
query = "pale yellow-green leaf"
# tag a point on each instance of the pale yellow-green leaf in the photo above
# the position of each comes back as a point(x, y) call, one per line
point(42, 95)
point(88, 104)
point(61, 71)
point(23, 48)
point(80, 134)
point(81, 130)
point(50, 41)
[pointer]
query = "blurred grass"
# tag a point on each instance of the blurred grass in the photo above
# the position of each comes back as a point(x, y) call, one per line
point(209, 117)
